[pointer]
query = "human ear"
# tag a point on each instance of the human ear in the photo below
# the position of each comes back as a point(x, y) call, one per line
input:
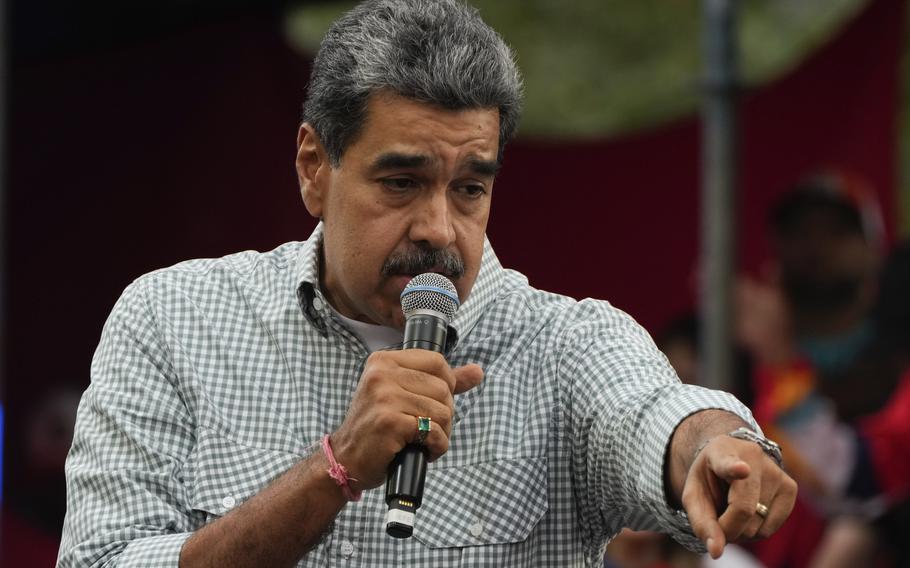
point(312, 163)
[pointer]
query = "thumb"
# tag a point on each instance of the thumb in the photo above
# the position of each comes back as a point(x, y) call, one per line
point(729, 468)
point(467, 377)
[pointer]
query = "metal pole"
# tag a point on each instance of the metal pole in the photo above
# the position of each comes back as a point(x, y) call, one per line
point(719, 171)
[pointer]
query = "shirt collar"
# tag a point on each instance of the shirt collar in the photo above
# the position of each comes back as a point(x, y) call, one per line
point(486, 287)
point(309, 296)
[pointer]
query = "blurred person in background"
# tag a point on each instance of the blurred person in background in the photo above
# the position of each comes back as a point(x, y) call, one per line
point(33, 513)
point(827, 241)
point(824, 358)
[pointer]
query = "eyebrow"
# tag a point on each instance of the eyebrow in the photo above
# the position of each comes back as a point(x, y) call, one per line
point(483, 167)
point(398, 160)
point(395, 160)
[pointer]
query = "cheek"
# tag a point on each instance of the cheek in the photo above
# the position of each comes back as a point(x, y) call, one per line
point(471, 233)
point(369, 245)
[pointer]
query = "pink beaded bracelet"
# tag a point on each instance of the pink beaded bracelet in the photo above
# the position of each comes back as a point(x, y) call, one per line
point(339, 473)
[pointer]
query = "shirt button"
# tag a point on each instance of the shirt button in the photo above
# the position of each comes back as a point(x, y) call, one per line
point(317, 303)
point(228, 502)
point(347, 548)
point(476, 529)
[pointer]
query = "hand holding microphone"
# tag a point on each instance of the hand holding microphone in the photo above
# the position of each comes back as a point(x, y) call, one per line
point(394, 389)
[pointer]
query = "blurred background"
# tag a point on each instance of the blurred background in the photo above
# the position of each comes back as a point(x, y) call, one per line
point(139, 134)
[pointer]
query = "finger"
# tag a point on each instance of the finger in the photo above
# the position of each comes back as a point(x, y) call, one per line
point(728, 466)
point(440, 414)
point(425, 384)
point(421, 360)
point(467, 377)
point(780, 507)
point(401, 429)
point(757, 521)
point(700, 508)
point(742, 495)
point(778, 493)
point(436, 444)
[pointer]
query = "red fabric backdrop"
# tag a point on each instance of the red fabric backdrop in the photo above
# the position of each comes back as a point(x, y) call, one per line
point(129, 160)
point(619, 218)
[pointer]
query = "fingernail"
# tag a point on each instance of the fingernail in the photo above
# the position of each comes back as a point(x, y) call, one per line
point(710, 545)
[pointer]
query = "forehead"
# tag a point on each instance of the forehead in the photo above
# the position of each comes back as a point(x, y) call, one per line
point(401, 125)
point(821, 222)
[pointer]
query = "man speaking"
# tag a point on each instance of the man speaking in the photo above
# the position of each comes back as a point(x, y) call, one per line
point(245, 411)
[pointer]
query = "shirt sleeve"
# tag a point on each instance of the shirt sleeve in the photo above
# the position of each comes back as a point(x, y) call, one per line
point(126, 500)
point(624, 402)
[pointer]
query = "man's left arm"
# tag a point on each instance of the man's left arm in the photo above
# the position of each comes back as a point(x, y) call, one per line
point(729, 487)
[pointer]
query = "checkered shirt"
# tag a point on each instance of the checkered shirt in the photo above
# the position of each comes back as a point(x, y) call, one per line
point(215, 376)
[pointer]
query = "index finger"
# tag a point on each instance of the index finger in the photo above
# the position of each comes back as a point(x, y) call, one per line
point(425, 361)
point(699, 506)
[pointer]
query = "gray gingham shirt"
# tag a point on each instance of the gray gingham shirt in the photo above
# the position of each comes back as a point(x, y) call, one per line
point(215, 376)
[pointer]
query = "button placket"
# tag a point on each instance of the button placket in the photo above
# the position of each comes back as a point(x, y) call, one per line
point(344, 537)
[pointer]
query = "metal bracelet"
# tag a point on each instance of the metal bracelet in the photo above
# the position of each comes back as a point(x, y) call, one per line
point(772, 449)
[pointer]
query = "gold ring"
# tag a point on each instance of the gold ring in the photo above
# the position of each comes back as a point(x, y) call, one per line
point(424, 425)
point(761, 510)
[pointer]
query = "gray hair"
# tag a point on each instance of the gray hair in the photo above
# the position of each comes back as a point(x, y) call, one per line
point(433, 51)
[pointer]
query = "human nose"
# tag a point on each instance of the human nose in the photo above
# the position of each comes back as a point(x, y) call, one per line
point(432, 223)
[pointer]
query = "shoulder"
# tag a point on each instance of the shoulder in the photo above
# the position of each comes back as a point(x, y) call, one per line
point(209, 284)
point(239, 265)
point(518, 296)
point(237, 268)
point(558, 316)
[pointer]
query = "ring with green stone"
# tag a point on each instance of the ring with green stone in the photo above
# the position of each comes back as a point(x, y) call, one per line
point(424, 425)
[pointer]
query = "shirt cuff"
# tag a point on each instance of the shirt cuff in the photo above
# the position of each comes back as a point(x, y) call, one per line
point(657, 431)
point(163, 550)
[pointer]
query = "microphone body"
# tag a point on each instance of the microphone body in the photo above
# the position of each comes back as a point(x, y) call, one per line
point(429, 302)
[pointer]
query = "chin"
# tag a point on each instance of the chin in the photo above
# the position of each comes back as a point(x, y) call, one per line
point(397, 321)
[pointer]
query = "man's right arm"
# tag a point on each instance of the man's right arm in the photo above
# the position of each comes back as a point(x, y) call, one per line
point(276, 527)
point(127, 498)
point(280, 524)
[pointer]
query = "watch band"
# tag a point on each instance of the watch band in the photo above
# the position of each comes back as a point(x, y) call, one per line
point(772, 449)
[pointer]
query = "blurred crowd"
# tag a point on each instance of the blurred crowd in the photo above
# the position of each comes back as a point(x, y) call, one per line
point(823, 360)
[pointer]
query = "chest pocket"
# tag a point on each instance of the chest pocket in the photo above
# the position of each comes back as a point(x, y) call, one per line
point(226, 473)
point(490, 503)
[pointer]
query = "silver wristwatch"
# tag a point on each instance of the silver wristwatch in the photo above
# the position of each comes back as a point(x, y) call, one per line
point(767, 446)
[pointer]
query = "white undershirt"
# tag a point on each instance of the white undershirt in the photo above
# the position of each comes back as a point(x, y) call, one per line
point(375, 337)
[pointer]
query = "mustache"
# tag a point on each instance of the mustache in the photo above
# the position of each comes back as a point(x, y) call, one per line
point(418, 260)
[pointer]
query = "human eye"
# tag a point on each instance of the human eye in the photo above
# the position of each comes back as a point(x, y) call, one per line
point(472, 190)
point(398, 184)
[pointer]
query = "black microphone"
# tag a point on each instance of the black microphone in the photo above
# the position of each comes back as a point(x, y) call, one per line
point(429, 302)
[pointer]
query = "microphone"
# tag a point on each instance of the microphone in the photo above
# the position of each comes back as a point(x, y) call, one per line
point(429, 302)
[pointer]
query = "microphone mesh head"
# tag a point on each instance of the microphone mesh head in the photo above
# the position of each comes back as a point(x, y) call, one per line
point(430, 291)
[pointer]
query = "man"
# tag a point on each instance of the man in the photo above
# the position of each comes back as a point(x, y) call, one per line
point(554, 422)
point(827, 236)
